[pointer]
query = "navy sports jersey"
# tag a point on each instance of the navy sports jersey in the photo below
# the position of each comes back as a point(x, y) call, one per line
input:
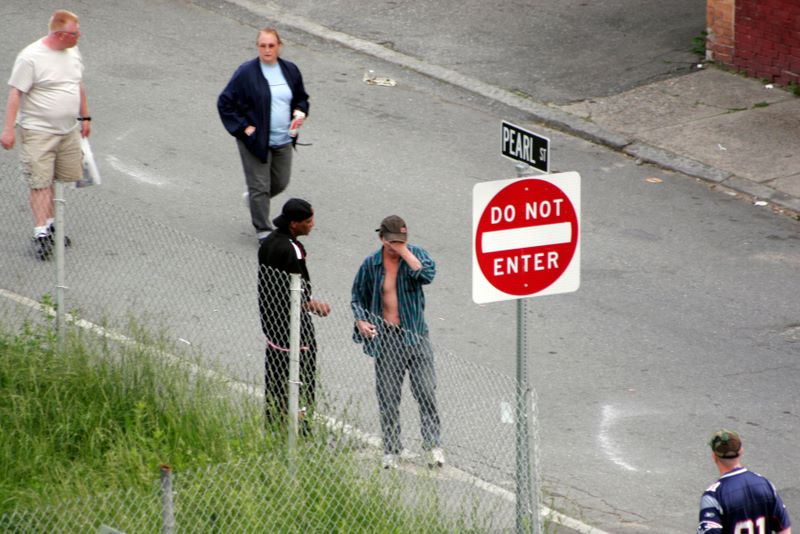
point(742, 502)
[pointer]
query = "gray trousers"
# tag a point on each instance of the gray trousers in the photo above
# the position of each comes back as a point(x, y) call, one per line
point(265, 180)
point(391, 364)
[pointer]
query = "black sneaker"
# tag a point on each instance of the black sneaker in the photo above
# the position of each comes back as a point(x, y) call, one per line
point(51, 230)
point(43, 246)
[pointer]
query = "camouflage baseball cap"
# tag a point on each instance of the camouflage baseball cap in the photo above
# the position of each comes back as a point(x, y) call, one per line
point(726, 443)
point(393, 228)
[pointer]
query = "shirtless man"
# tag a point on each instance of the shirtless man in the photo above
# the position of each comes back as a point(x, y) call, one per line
point(389, 304)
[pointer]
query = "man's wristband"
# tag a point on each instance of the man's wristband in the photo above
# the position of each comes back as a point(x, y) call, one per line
point(87, 118)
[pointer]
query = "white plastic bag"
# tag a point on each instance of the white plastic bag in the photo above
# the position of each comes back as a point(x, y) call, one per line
point(91, 176)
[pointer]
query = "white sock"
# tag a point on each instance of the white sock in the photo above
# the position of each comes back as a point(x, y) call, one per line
point(40, 231)
point(50, 222)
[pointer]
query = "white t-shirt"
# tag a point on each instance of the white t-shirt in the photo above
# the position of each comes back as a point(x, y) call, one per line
point(50, 81)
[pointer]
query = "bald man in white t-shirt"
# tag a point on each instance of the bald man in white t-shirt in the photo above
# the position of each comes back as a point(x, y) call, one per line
point(47, 110)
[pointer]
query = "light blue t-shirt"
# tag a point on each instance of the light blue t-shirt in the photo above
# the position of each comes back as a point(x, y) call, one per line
point(280, 111)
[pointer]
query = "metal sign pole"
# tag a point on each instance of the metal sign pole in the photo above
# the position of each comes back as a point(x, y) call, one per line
point(524, 519)
point(527, 505)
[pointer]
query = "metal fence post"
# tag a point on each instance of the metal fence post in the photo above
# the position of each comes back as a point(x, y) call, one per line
point(295, 291)
point(533, 458)
point(58, 202)
point(167, 505)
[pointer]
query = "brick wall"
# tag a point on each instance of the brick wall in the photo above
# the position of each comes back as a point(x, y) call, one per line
point(758, 37)
point(720, 26)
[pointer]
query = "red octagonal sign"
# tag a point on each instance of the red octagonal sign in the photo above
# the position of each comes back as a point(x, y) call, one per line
point(526, 237)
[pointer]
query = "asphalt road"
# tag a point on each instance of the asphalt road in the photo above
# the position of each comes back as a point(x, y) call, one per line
point(687, 315)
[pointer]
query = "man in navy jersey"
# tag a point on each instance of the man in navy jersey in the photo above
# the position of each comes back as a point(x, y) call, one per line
point(740, 502)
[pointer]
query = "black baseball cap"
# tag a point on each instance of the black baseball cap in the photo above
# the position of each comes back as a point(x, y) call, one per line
point(295, 210)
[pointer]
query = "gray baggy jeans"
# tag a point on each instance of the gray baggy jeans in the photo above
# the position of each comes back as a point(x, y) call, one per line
point(391, 364)
point(265, 180)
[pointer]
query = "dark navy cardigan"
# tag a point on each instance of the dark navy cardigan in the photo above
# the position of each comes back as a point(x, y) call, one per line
point(246, 100)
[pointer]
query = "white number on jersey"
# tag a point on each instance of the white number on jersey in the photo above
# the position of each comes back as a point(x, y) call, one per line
point(748, 527)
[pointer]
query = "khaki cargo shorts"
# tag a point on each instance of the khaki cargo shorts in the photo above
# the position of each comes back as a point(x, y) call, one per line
point(46, 156)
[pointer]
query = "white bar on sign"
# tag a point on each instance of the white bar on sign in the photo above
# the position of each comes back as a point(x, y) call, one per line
point(527, 237)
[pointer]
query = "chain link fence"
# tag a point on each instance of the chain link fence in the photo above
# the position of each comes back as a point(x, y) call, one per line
point(121, 266)
point(261, 495)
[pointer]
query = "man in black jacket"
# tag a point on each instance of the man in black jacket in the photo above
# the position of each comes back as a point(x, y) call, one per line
point(279, 255)
point(262, 106)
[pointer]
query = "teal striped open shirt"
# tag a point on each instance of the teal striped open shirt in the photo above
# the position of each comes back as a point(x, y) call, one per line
point(366, 296)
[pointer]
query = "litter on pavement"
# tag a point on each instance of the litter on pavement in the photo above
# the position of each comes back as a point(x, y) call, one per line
point(371, 78)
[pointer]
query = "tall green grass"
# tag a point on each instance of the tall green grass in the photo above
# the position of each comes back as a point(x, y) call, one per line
point(84, 430)
point(106, 415)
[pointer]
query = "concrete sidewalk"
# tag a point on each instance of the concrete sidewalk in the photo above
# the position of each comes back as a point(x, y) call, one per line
point(716, 125)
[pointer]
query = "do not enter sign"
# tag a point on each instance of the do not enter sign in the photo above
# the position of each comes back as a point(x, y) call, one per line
point(526, 237)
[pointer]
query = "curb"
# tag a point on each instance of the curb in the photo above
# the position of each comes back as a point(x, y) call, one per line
point(667, 159)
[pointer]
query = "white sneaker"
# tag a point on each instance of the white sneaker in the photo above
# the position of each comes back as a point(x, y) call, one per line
point(407, 456)
point(436, 457)
point(389, 461)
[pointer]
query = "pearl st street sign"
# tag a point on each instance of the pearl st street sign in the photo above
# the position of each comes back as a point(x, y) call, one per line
point(525, 146)
point(526, 237)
